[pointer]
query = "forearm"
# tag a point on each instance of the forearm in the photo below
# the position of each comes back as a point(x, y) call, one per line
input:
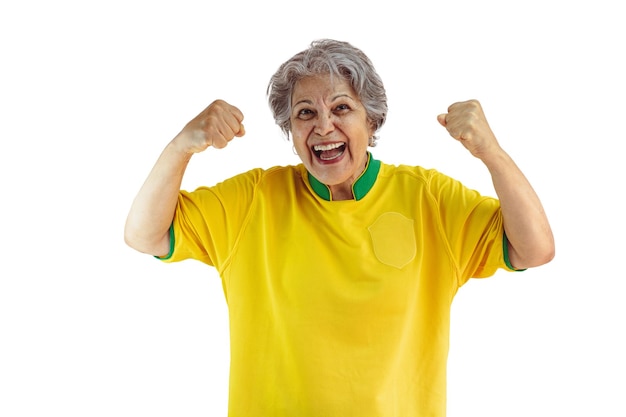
point(526, 225)
point(152, 211)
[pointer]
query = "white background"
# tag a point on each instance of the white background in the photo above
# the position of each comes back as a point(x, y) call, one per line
point(91, 92)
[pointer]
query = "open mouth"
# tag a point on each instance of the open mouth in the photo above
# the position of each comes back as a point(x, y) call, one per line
point(330, 151)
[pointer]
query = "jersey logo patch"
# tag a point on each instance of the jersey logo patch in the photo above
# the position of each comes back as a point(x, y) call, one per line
point(393, 238)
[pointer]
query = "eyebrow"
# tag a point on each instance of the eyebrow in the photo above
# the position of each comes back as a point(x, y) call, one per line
point(307, 101)
point(302, 101)
point(342, 95)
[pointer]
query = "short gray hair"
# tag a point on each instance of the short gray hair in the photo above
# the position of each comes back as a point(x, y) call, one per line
point(336, 58)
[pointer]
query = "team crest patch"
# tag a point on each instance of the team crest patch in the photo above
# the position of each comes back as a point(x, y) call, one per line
point(393, 238)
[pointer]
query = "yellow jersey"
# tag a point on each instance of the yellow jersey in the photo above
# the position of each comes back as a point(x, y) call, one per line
point(340, 308)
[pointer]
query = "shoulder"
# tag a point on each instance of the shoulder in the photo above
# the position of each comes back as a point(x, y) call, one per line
point(425, 181)
point(411, 173)
point(258, 176)
point(282, 171)
point(238, 193)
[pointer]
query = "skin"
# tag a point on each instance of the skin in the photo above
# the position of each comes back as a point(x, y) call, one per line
point(326, 113)
point(323, 113)
point(531, 242)
point(152, 211)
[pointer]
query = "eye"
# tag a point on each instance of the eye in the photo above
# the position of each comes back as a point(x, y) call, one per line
point(342, 108)
point(305, 114)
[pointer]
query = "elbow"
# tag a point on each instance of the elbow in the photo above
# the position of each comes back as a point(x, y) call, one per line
point(538, 256)
point(135, 240)
point(547, 252)
point(131, 239)
point(156, 246)
point(550, 254)
point(546, 256)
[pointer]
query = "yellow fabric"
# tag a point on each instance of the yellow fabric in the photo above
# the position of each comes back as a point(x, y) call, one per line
point(339, 308)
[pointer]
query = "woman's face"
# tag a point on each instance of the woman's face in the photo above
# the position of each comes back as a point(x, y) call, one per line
point(330, 131)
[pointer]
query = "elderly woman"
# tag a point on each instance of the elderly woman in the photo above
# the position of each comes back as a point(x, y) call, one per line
point(339, 272)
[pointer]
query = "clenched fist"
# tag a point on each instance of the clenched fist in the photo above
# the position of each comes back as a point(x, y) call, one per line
point(466, 122)
point(215, 126)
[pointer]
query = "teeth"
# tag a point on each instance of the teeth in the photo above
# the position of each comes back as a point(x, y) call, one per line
point(327, 147)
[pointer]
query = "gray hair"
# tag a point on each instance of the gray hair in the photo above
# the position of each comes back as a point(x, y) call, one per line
point(336, 58)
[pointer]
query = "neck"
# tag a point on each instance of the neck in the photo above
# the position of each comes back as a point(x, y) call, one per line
point(349, 190)
point(341, 192)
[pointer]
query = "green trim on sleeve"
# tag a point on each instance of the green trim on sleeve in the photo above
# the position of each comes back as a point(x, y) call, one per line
point(171, 252)
point(505, 249)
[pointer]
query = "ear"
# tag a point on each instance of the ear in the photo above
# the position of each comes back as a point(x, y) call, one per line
point(371, 128)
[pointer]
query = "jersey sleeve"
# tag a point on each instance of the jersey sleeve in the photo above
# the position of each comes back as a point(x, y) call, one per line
point(473, 227)
point(208, 220)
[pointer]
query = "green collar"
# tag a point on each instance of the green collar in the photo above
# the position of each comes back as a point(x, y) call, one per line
point(361, 186)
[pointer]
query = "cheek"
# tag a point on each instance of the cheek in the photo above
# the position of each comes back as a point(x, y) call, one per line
point(298, 135)
point(360, 137)
point(299, 143)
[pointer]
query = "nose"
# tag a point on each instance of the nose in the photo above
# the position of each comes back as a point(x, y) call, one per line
point(324, 124)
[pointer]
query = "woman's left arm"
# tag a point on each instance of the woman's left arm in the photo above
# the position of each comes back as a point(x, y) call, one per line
point(531, 242)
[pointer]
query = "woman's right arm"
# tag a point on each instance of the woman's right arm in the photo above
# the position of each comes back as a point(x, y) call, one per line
point(152, 211)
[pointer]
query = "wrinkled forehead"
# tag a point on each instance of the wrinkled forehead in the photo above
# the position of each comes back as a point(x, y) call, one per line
point(321, 87)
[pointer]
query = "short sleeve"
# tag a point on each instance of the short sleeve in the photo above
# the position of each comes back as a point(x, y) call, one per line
point(208, 220)
point(473, 227)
